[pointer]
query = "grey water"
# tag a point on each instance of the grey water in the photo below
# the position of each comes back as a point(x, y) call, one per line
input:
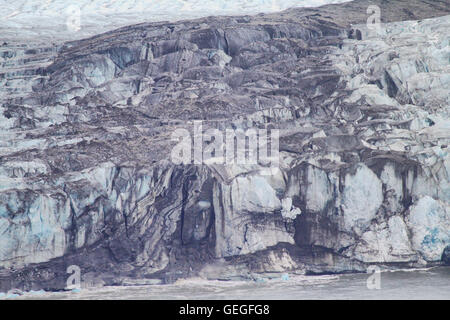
point(432, 283)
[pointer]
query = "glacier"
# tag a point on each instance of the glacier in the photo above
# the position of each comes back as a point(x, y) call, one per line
point(86, 123)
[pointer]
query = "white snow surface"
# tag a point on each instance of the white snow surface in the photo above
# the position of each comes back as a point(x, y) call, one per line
point(57, 19)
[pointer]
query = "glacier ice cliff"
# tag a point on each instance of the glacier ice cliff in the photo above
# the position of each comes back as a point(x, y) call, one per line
point(85, 125)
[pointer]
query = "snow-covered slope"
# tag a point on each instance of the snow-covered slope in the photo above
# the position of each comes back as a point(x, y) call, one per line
point(58, 19)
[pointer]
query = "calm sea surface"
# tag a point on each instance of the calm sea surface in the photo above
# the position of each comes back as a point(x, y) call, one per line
point(433, 283)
